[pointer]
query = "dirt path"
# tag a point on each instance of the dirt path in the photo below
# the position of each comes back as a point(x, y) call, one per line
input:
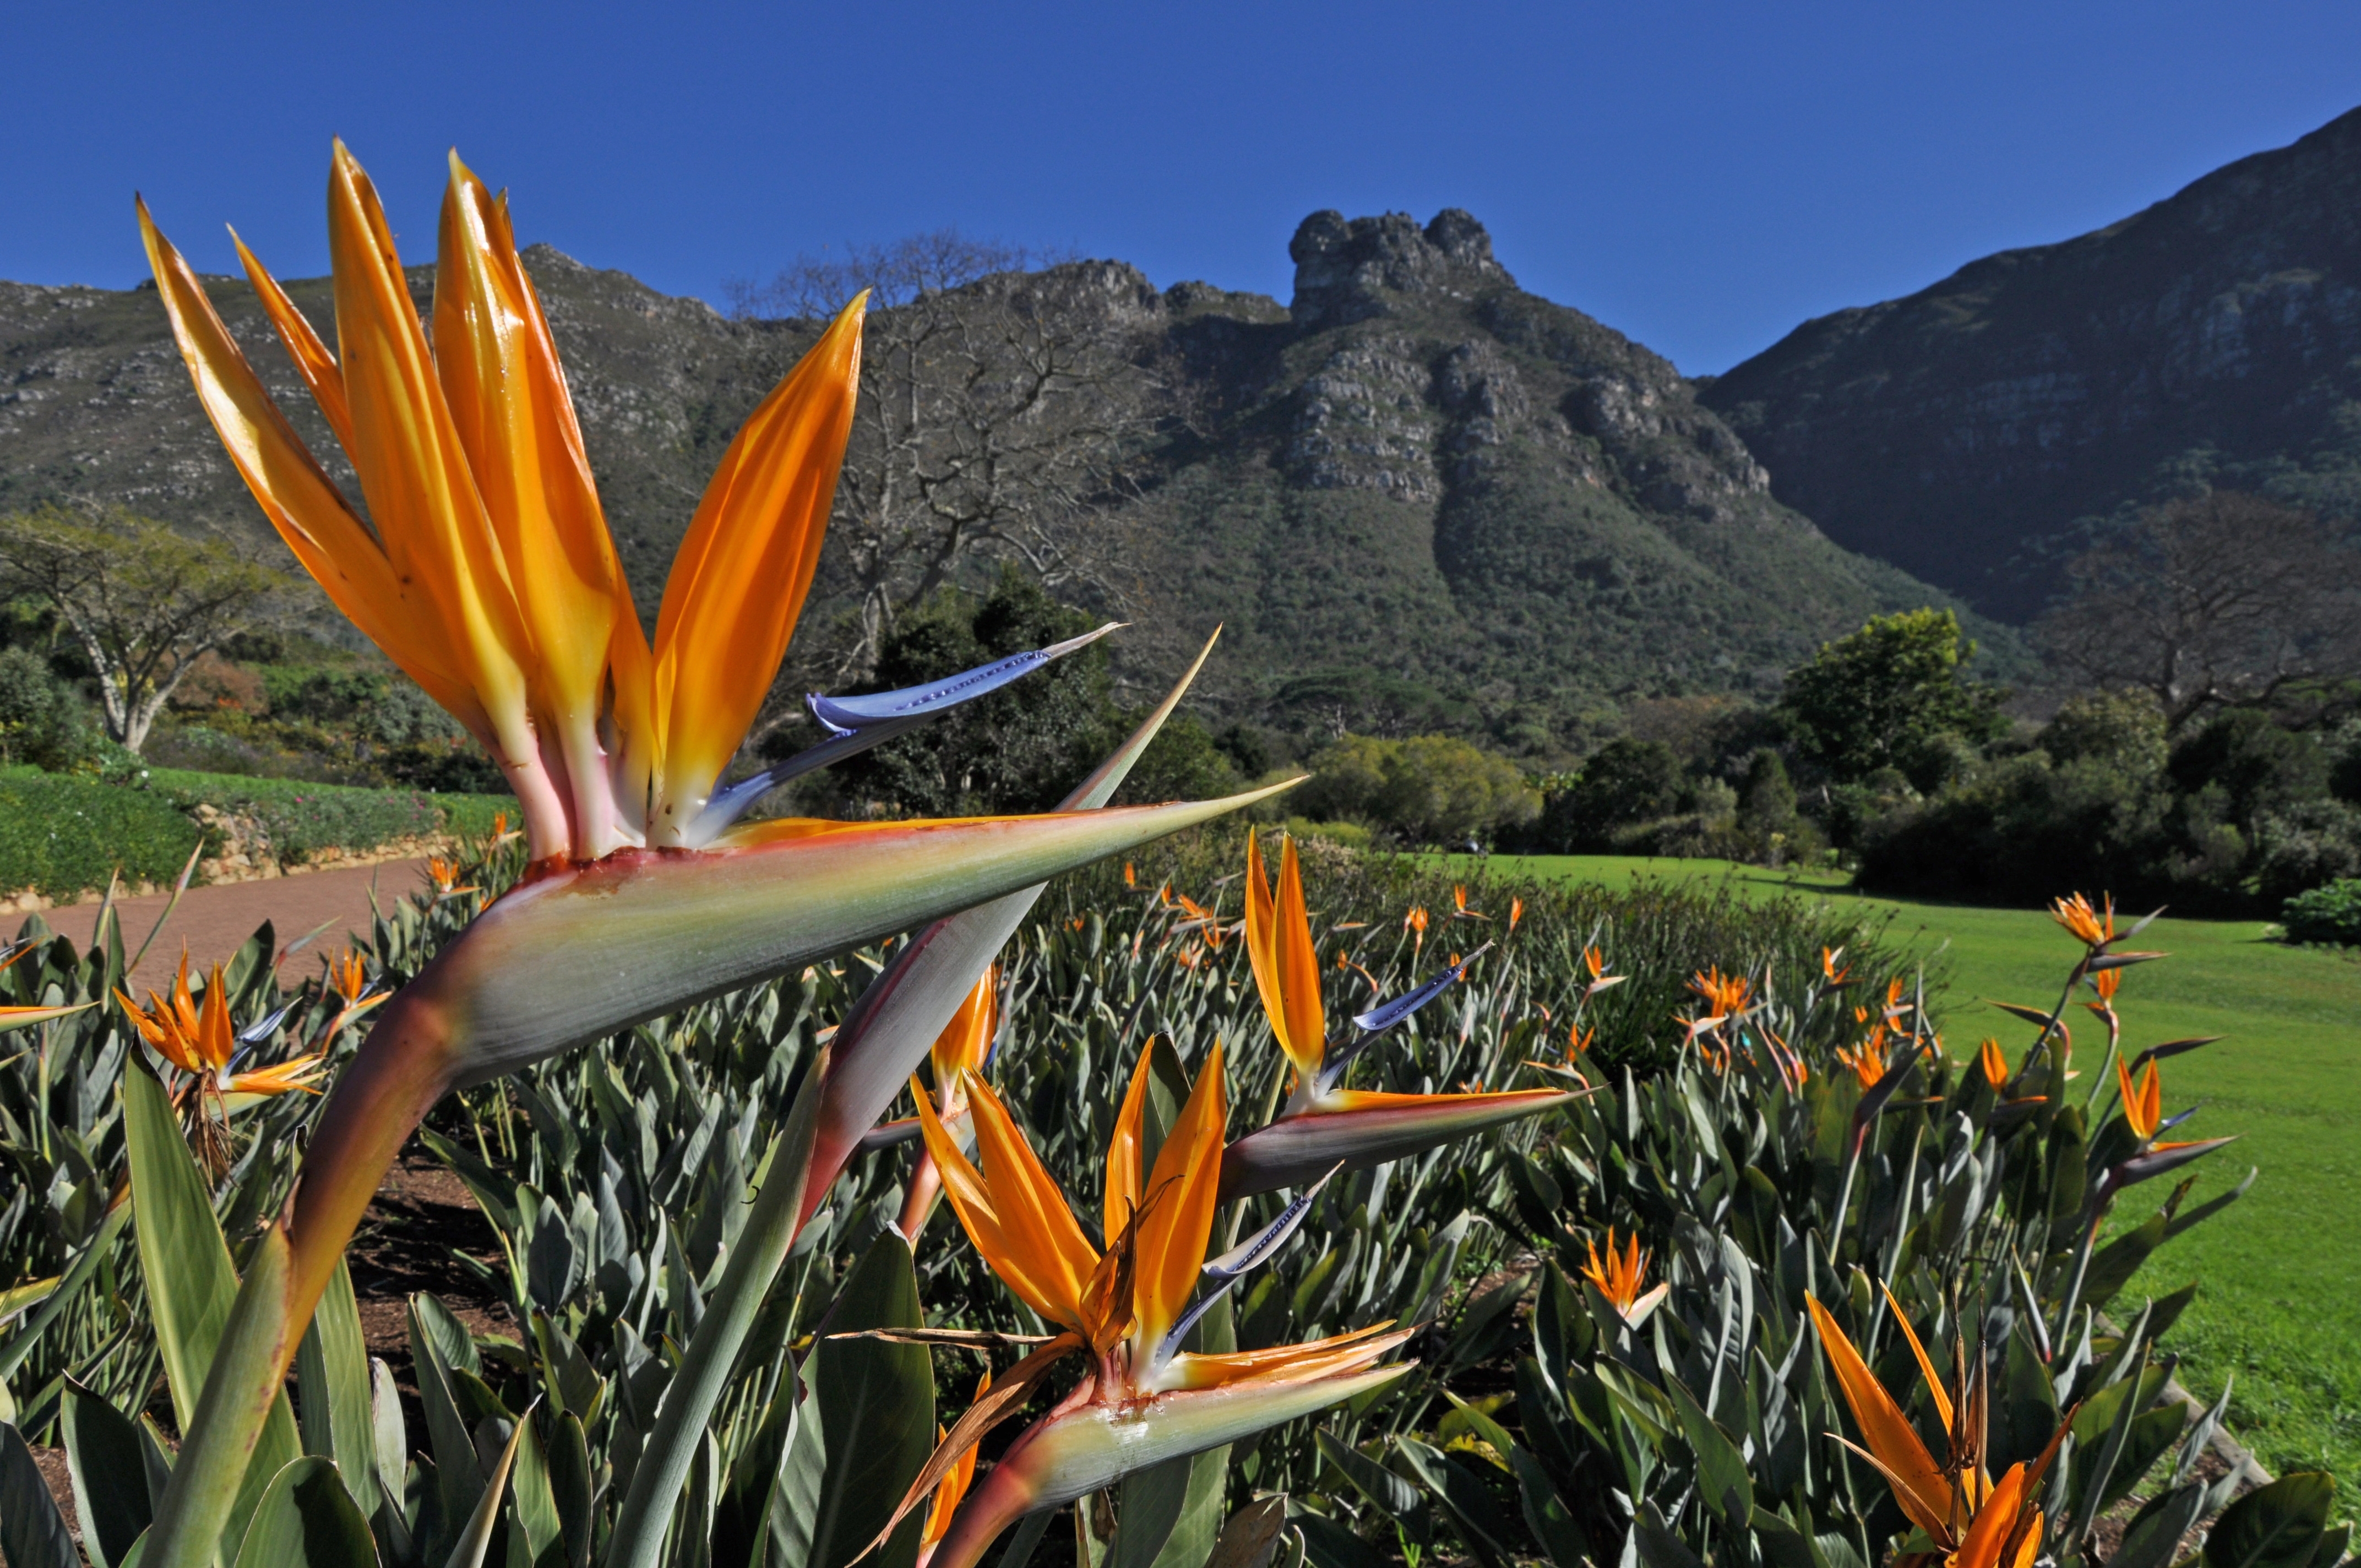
point(215, 921)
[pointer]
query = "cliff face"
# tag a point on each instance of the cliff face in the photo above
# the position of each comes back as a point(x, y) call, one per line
point(1960, 432)
point(1417, 496)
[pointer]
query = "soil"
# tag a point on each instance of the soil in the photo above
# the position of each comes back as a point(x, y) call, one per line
point(422, 1214)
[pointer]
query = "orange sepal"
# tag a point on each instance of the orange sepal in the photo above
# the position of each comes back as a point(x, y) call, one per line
point(1894, 1445)
point(1035, 1225)
point(1178, 1220)
point(739, 579)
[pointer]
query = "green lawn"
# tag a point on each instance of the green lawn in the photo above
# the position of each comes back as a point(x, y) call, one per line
point(2280, 1311)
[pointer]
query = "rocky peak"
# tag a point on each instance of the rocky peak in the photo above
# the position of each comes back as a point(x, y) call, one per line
point(1348, 269)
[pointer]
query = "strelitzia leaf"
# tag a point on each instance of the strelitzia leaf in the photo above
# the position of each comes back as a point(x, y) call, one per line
point(193, 1298)
point(109, 1474)
point(1296, 1149)
point(476, 1539)
point(68, 1286)
point(32, 1532)
point(761, 1247)
point(307, 1521)
point(1380, 1486)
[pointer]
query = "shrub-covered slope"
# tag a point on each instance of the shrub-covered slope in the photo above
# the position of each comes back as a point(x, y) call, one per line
point(1419, 497)
point(2216, 335)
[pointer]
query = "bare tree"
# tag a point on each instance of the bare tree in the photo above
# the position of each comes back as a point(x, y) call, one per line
point(1002, 400)
point(143, 600)
point(2211, 600)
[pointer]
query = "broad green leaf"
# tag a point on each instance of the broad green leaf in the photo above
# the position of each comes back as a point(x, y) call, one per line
point(1384, 1489)
point(458, 1474)
point(1328, 1544)
point(2112, 1266)
point(1027, 1537)
point(331, 1375)
point(2156, 1531)
point(1720, 1468)
point(1152, 1504)
point(32, 1532)
point(390, 1440)
point(1784, 1546)
point(192, 1286)
point(2277, 1525)
point(739, 1511)
point(307, 1519)
point(1462, 1495)
point(794, 1497)
point(476, 1539)
point(876, 1408)
point(570, 1485)
point(763, 1245)
point(110, 1473)
point(70, 1286)
point(535, 1502)
point(1546, 1515)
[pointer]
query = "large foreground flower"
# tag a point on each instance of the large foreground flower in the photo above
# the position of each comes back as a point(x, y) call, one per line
point(1324, 1122)
point(479, 560)
point(1125, 1303)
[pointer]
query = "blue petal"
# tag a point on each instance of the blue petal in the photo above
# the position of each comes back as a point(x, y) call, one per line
point(1385, 1016)
point(1257, 1248)
point(844, 715)
point(255, 1034)
point(1237, 1262)
point(1378, 1019)
point(857, 723)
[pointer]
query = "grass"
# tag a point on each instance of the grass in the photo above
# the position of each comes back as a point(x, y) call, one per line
point(2280, 1310)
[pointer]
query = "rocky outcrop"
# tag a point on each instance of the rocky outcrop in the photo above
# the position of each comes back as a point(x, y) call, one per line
point(1350, 270)
point(2214, 337)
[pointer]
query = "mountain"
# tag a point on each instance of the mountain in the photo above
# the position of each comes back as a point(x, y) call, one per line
point(2213, 338)
point(1417, 496)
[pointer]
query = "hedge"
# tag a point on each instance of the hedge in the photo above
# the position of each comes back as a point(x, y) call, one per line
point(60, 833)
point(63, 834)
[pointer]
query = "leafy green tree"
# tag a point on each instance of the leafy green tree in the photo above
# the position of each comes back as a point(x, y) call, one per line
point(141, 601)
point(1891, 695)
point(1441, 790)
point(2123, 729)
point(1185, 761)
point(2260, 767)
point(41, 721)
point(1766, 800)
point(1626, 782)
point(1431, 789)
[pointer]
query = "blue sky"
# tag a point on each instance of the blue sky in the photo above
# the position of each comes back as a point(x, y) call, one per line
point(1700, 176)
